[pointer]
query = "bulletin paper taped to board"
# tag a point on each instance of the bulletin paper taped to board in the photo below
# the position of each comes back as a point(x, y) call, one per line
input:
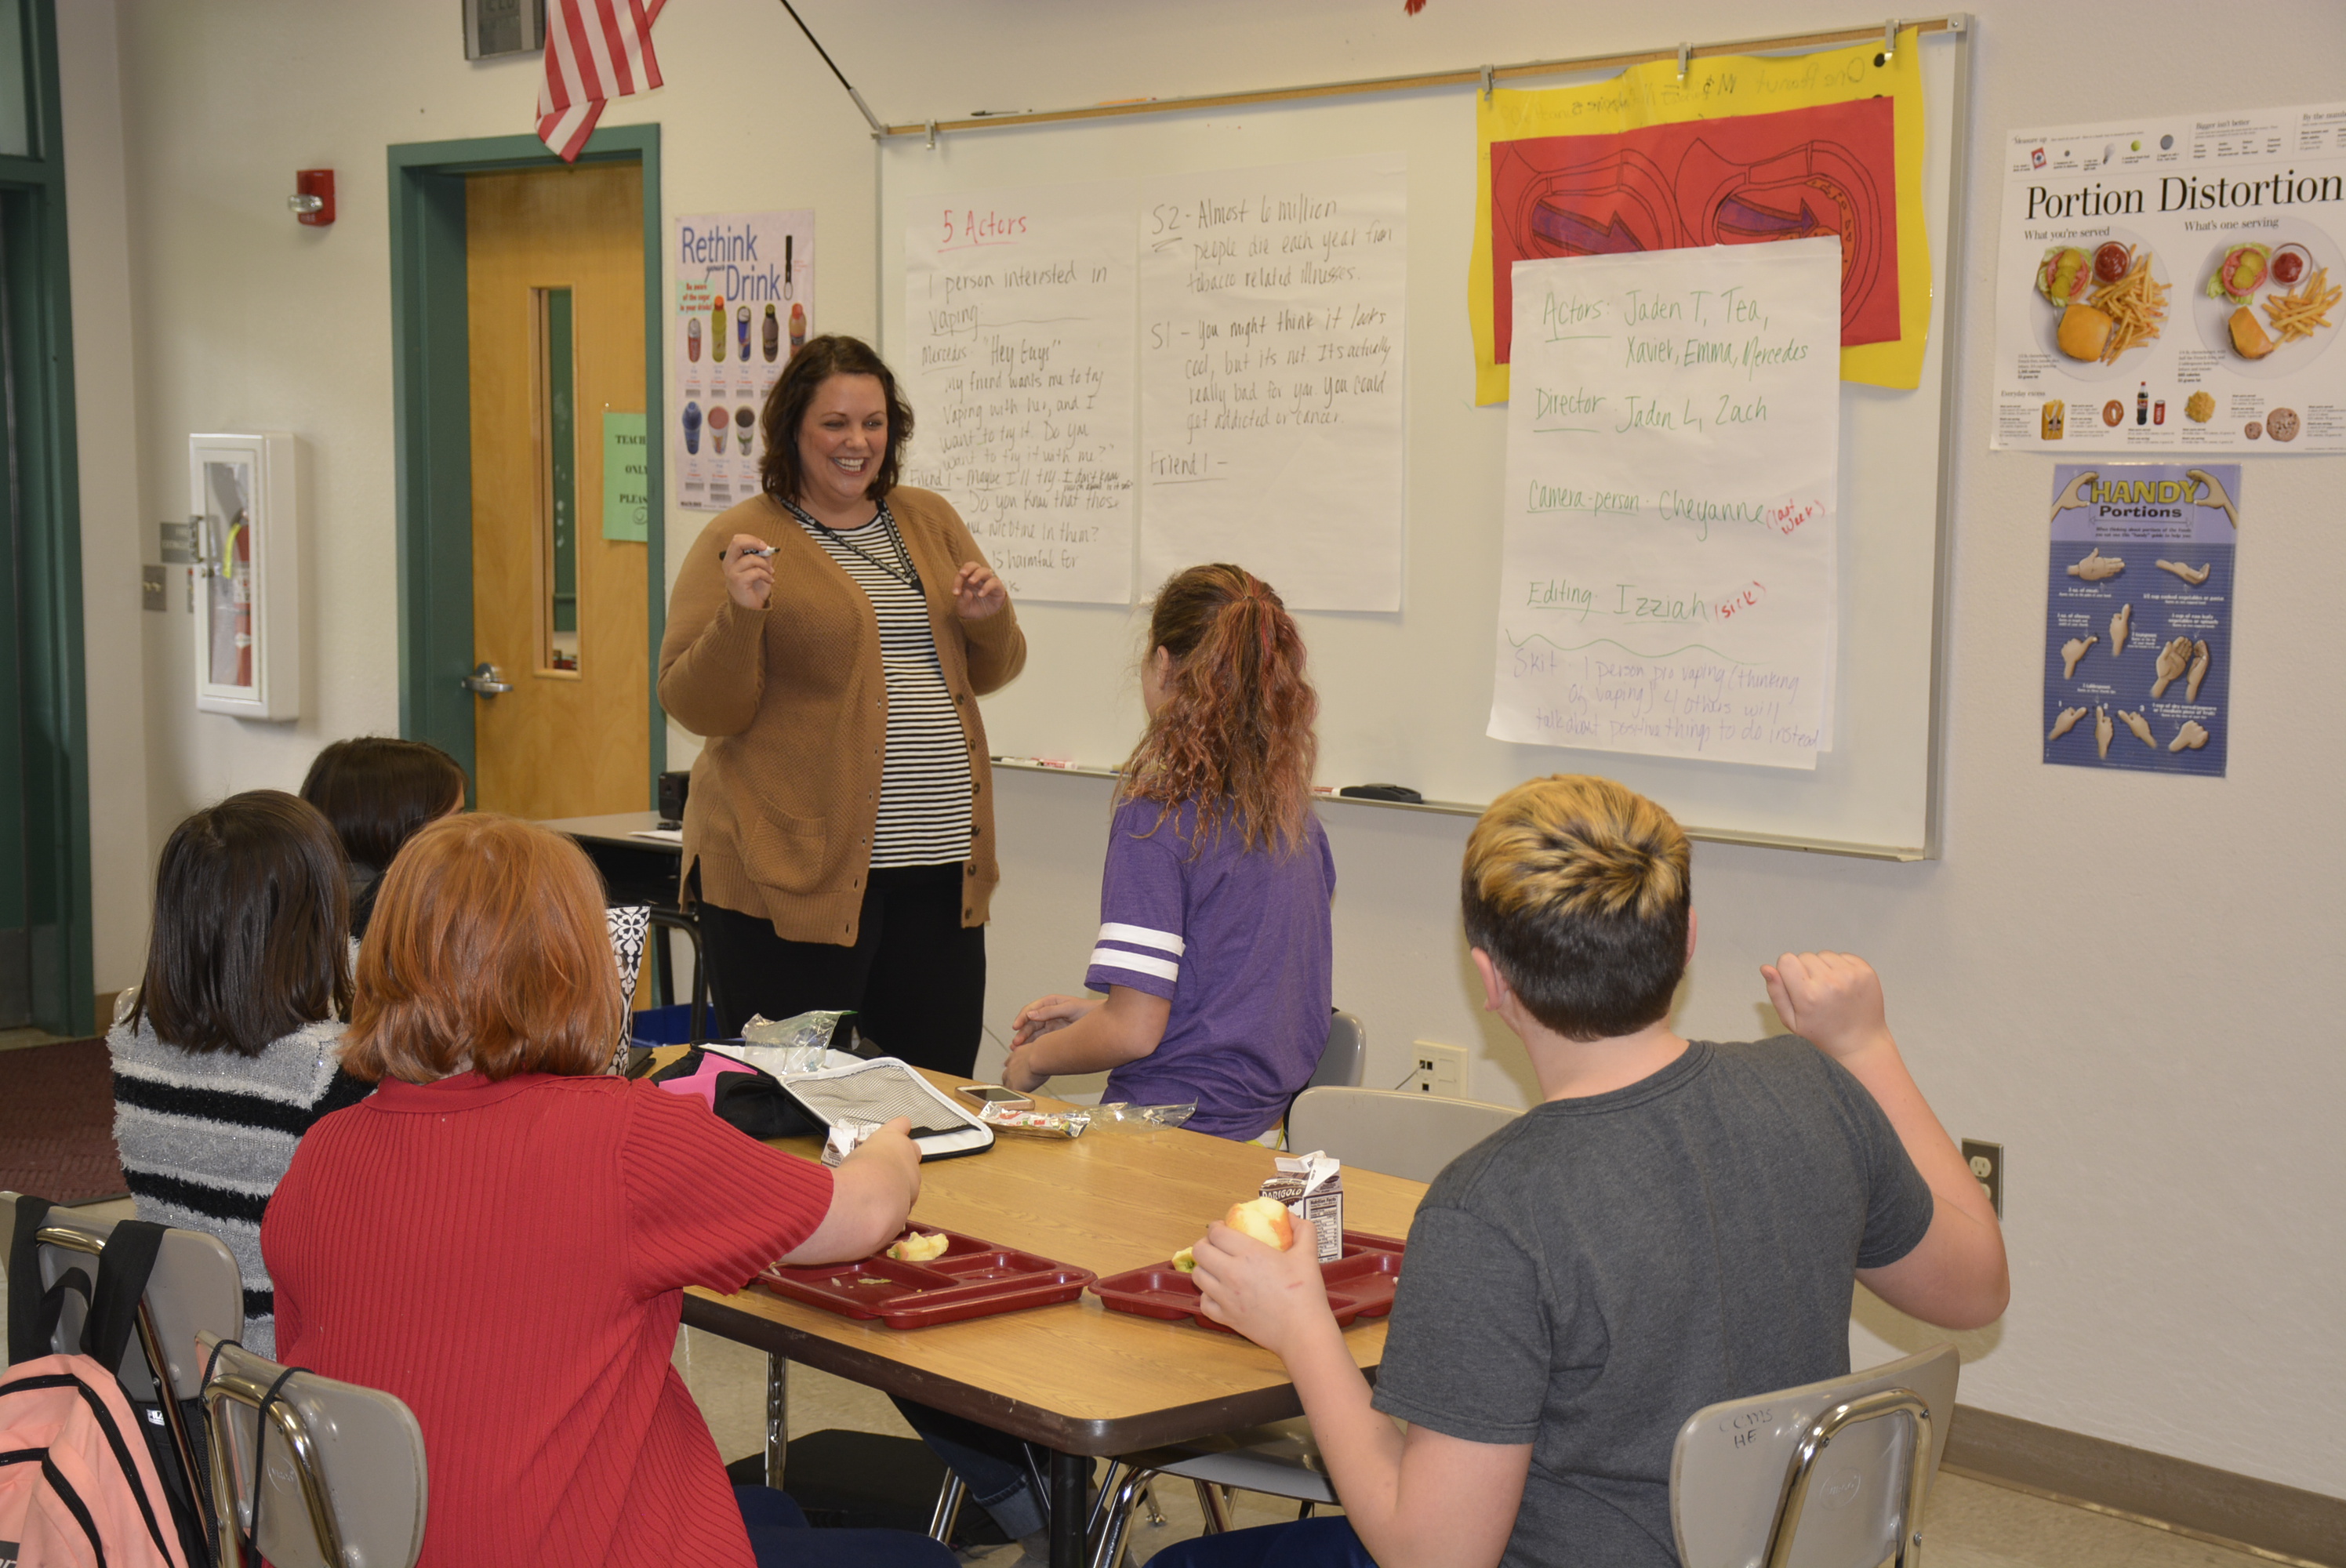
point(1667, 584)
point(1272, 376)
point(2174, 283)
point(1740, 149)
point(2138, 617)
point(744, 304)
point(1018, 360)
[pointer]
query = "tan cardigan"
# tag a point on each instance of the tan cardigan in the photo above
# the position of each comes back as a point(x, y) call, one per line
point(786, 794)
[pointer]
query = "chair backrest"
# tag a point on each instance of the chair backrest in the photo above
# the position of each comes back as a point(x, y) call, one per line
point(195, 1287)
point(344, 1484)
point(1830, 1475)
point(1412, 1136)
point(1347, 1054)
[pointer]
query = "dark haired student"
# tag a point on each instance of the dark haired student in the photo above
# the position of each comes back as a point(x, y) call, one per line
point(377, 791)
point(830, 638)
point(231, 1047)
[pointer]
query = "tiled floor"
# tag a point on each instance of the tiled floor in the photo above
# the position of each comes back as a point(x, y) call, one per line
point(1970, 1523)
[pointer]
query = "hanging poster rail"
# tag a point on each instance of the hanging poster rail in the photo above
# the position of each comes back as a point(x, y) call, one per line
point(1482, 76)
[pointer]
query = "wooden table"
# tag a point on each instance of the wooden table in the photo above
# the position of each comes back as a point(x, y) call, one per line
point(1078, 1378)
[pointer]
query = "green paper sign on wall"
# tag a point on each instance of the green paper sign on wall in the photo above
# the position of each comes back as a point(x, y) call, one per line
point(627, 477)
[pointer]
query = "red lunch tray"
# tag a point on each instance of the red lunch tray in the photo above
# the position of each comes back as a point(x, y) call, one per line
point(974, 1278)
point(1361, 1284)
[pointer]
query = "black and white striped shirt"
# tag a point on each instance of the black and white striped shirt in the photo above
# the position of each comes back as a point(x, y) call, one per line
point(924, 779)
point(205, 1136)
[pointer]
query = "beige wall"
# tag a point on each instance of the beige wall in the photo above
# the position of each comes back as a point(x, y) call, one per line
point(2132, 982)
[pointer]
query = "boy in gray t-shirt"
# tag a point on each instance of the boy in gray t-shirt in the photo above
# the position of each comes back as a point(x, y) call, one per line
point(1676, 1222)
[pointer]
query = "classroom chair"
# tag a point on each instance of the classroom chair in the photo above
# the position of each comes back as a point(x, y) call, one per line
point(1829, 1475)
point(193, 1288)
point(1403, 1134)
point(1347, 1051)
point(1389, 1130)
point(343, 1483)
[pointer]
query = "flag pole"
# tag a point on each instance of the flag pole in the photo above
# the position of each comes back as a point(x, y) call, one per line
point(869, 118)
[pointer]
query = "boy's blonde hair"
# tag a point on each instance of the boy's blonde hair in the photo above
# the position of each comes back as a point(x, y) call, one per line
point(1580, 889)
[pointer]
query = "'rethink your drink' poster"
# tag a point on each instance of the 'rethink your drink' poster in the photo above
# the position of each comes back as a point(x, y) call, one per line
point(744, 305)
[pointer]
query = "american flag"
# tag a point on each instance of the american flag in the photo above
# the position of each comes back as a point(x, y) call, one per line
point(596, 50)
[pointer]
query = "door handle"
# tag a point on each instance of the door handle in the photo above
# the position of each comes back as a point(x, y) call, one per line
point(483, 681)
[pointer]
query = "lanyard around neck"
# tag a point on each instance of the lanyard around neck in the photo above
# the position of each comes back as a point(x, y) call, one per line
point(907, 573)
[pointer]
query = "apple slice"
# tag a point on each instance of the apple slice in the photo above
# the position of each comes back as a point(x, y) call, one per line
point(919, 1248)
point(1186, 1260)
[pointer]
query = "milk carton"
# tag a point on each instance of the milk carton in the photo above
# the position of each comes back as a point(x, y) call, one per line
point(1312, 1187)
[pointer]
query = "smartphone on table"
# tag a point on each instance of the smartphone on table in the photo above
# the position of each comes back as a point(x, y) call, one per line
point(995, 1095)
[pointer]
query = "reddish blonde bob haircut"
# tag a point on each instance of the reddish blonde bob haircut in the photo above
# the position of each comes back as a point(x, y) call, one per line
point(488, 949)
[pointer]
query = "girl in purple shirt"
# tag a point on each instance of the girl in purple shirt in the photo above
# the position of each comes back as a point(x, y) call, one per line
point(1214, 945)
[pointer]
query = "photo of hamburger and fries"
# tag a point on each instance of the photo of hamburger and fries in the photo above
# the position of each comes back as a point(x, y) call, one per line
point(2268, 304)
point(2108, 299)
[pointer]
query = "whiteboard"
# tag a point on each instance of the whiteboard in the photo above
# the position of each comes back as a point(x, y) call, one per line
point(1404, 696)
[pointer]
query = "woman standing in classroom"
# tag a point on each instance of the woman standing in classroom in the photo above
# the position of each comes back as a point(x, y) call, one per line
point(830, 638)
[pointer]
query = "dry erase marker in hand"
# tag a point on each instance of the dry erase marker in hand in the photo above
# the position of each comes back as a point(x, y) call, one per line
point(750, 550)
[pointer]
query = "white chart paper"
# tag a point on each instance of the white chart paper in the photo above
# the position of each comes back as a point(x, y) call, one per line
point(1673, 443)
point(1018, 360)
point(744, 305)
point(1271, 379)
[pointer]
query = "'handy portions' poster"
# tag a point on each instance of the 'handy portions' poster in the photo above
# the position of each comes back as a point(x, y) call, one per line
point(2174, 283)
point(1673, 441)
point(2138, 617)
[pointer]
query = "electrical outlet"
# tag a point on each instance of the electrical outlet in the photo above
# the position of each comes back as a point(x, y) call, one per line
point(1439, 1070)
point(1986, 1161)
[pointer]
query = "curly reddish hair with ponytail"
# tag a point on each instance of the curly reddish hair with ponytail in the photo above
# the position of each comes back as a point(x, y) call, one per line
point(1235, 732)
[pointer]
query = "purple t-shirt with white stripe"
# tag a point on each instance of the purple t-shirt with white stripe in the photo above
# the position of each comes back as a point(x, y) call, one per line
point(1239, 942)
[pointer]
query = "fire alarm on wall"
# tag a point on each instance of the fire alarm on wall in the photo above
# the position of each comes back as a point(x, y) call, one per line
point(313, 200)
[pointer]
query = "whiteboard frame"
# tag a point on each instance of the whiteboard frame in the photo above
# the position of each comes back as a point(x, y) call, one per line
point(1958, 27)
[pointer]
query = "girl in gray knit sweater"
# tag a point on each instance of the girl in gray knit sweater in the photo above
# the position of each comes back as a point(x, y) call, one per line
point(231, 1047)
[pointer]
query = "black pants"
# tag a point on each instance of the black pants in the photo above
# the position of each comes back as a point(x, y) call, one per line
point(915, 976)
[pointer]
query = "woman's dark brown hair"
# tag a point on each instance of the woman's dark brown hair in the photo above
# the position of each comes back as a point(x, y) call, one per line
point(376, 791)
point(488, 950)
point(1235, 733)
point(822, 358)
point(251, 927)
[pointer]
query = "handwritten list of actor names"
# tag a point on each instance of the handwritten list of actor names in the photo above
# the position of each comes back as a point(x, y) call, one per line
point(1673, 441)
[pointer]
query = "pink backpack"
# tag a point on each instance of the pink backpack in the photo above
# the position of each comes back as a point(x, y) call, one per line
point(77, 1488)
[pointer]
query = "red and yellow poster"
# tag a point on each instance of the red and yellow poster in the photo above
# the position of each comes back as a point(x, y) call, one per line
point(1742, 151)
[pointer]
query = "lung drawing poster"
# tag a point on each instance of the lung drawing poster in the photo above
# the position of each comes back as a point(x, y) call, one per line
point(1668, 583)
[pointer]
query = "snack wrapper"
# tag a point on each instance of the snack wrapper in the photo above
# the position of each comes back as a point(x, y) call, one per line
point(1321, 1203)
point(804, 1040)
point(1033, 1123)
point(1120, 1115)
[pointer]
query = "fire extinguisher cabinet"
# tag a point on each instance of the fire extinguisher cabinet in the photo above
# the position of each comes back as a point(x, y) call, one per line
point(248, 551)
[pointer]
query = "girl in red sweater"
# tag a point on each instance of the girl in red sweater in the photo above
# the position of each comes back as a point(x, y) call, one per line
point(500, 1234)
